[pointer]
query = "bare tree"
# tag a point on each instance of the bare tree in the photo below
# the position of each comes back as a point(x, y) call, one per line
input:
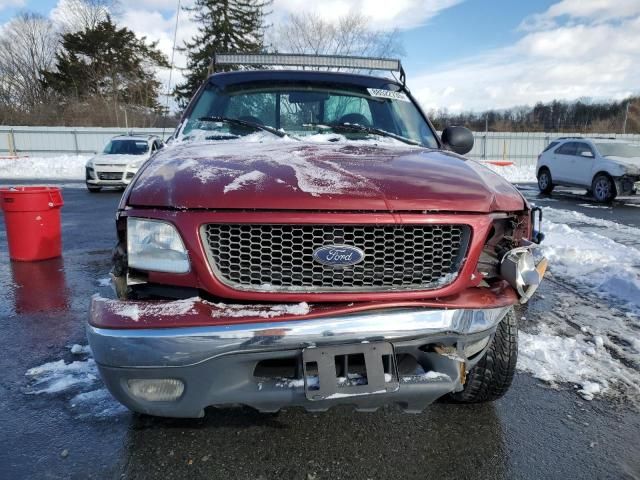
point(27, 48)
point(78, 15)
point(349, 35)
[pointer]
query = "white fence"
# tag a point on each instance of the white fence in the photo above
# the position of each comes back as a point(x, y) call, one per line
point(521, 148)
point(52, 141)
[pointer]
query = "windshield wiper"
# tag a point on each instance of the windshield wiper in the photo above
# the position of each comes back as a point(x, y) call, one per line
point(244, 123)
point(356, 127)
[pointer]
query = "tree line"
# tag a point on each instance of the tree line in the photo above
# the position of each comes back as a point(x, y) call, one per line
point(84, 69)
point(580, 116)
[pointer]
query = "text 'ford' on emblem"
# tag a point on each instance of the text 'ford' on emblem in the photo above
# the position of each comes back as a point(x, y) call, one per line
point(338, 255)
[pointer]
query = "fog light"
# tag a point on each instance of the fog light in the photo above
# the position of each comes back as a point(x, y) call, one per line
point(518, 267)
point(156, 390)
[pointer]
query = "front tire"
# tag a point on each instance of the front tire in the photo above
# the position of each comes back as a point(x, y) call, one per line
point(603, 188)
point(545, 182)
point(491, 377)
point(93, 189)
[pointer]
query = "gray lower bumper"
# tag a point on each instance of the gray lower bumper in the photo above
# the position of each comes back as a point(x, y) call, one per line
point(217, 363)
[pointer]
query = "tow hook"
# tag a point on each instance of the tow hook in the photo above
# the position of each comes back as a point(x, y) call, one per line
point(520, 269)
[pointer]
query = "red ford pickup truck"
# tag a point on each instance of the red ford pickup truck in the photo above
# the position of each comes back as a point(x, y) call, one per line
point(307, 239)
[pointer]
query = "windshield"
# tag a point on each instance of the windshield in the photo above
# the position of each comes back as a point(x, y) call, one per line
point(626, 150)
point(126, 147)
point(309, 112)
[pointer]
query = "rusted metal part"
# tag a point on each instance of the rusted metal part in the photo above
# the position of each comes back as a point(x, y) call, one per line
point(463, 373)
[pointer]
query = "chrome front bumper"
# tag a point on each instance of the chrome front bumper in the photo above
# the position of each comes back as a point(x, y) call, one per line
point(217, 363)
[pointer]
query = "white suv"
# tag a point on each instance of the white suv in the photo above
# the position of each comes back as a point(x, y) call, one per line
point(120, 160)
point(604, 166)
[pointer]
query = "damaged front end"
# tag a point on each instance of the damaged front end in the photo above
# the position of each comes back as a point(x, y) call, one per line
point(509, 254)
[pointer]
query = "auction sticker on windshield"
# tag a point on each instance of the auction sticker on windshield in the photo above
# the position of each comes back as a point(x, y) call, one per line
point(377, 92)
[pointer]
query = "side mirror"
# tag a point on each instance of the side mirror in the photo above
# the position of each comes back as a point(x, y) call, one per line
point(587, 154)
point(458, 139)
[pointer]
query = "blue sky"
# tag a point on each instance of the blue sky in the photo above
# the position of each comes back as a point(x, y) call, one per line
point(468, 28)
point(462, 54)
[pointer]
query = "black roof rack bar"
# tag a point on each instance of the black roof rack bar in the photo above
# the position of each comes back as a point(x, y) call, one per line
point(305, 60)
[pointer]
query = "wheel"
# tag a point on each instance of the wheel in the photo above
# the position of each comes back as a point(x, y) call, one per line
point(93, 189)
point(491, 377)
point(603, 188)
point(545, 183)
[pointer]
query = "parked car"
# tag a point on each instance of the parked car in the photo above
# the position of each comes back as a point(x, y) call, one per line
point(120, 160)
point(307, 239)
point(604, 166)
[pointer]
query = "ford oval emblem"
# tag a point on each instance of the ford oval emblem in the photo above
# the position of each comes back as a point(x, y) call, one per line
point(338, 255)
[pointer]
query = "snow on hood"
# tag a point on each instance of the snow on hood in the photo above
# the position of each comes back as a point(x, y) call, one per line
point(266, 172)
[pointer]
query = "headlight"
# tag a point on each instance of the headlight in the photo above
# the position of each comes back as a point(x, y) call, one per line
point(155, 245)
point(519, 268)
point(136, 164)
point(89, 163)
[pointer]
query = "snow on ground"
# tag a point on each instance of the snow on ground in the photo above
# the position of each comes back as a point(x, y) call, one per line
point(590, 253)
point(581, 360)
point(515, 173)
point(584, 340)
point(64, 167)
point(79, 379)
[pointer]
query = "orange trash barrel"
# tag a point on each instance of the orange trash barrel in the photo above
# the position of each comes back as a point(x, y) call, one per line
point(32, 220)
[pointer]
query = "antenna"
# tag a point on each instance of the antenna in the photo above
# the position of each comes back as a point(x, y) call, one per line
point(173, 54)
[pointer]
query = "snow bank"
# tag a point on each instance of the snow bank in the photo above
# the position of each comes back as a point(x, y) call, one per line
point(600, 259)
point(515, 173)
point(594, 259)
point(64, 167)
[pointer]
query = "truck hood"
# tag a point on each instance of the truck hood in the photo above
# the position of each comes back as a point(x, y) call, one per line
point(291, 175)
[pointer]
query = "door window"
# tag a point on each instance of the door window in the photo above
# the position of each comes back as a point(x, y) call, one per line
point(583, 147)
point(568, 148)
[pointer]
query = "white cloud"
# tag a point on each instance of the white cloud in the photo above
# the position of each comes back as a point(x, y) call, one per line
point(11, 3)
point(385, 14)
point(585, 56)
point(593, 10)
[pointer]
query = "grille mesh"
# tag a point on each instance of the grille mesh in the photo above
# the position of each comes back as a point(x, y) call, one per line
point(280, 257)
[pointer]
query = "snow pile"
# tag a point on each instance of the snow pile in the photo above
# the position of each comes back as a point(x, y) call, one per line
point(81, 379)
point(515, 173)
point(64, 167)
point(594, 259)
point(55, 377)
point(581, 360)
point(261, 311)
point(585, 341)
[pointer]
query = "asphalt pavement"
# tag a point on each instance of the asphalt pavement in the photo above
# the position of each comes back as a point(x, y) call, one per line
point(533, 432)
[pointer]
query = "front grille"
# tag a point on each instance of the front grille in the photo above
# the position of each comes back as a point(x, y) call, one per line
point(280, 257)
point(110, 175)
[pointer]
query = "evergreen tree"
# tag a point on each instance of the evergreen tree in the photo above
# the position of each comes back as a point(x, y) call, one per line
point(224, 26)
point(107, 62)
